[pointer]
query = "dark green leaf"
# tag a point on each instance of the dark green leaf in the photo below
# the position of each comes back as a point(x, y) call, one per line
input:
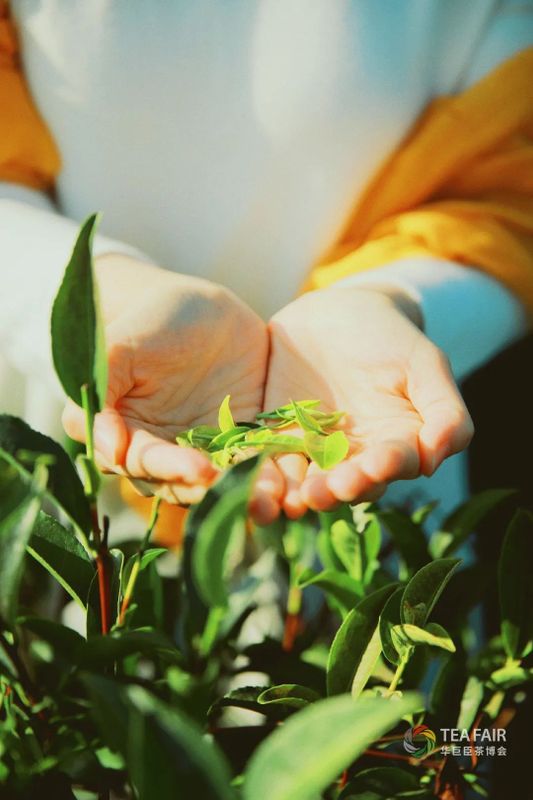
point(390, 616)
point(64, 641)
point(356, 646)
point(59, 552)
point(464, 521)
point(288, 694)
point(165, 754)
point(15, 530)
point(100, 651)
point(516, 585)
point(424, 589)
point(336, 584)
point(78, 345)
point(408, 537)
point(224, 520)
point(63, 481)
point(304, 756)
point(383, 782)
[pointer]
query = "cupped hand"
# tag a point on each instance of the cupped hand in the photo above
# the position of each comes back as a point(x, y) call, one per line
point(176, 346)
point(360, 351)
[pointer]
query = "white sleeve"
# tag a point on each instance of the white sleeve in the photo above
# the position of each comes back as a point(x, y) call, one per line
point(468, 314)
point(35, 245)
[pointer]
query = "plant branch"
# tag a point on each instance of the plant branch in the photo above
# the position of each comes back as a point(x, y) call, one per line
point(130, 587)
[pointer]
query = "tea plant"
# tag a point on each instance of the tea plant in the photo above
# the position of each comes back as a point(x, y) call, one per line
point(151, 700)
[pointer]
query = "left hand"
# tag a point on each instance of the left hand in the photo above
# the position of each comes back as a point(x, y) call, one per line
point(360, 351)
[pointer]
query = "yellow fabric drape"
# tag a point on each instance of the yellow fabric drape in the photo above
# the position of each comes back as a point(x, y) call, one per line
point(460, 187)
point(28, 154)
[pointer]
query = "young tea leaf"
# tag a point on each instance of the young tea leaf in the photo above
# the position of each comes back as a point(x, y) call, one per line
point(225, 417)
point(432, 635)
point(516, 585)
point(78, 345)
point(326, 451)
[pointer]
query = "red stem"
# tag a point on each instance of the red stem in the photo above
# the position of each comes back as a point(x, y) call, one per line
point(103, 572)
point(292, 628)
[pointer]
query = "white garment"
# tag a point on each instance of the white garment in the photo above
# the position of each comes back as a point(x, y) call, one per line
point(231, 140)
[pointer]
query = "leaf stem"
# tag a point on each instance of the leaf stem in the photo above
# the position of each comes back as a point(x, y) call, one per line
point(399, 672)
point(89, 421)
point(130, 587)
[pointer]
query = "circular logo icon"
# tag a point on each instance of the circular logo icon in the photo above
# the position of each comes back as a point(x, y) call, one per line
point(419, 741)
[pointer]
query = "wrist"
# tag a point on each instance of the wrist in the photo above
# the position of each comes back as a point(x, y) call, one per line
point(393, 296)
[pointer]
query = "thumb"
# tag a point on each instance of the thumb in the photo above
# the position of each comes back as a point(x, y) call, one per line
point(447, 427)
point(110, 433)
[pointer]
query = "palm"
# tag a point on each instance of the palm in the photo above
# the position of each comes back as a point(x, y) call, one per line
point(357, 353)
point(176, 348)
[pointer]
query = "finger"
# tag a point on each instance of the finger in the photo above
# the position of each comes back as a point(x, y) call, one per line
point(270, 480)
point(110, 433)
point(267, 493)
point(293, 467)
point(150, 457)
point(315, 491)
point(174, 493)
point(447, 426)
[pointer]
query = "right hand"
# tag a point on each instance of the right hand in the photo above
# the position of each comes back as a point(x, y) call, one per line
point(176, 346)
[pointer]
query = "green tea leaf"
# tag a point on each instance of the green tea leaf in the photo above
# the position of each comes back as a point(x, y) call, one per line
point(16, 527)
point(64, 641)
point(408, 537)
point(381, 783)
point(347, 543)
point(510, 676)
point(470, 702)
point(78, 345)
point(465, 519)
point(326, 451)
point(390, 616)
point(304, 756)
point(305, 420)
point(335, 584)
point(63, 481)
point(225, 417)
point(288, 694)
point(516, 585)
point(164, 752)
point(59, 552)
point(225, 519)
point(424, 589)
point(99, 651)
point(347, 663)
point(432, 635)
point(287, 411)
